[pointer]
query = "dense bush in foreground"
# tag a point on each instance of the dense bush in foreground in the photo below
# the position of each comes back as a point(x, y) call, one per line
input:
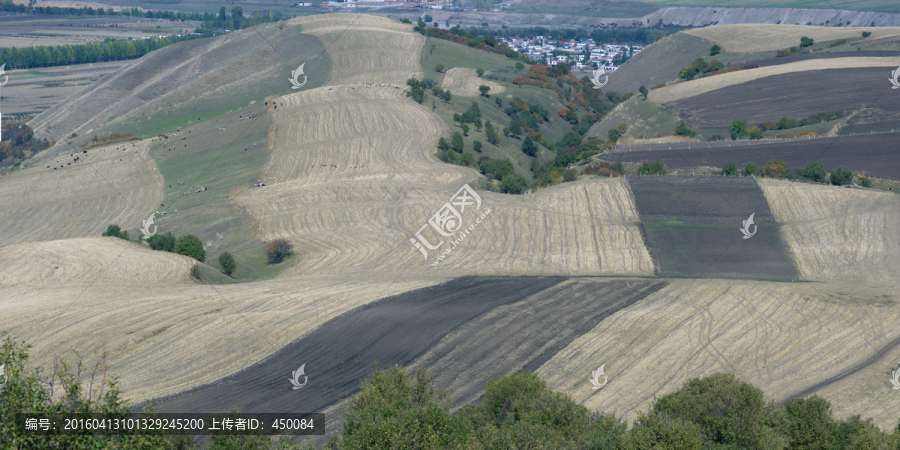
point(396, 410)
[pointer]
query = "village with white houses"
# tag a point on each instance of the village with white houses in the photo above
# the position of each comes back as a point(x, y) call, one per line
point(578, 54)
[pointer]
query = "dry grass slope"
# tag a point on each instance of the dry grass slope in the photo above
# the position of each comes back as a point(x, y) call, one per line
point(41, 204)
point(465, 82)
point(696, 87)
point(781, 337)
point(836, 233)
point(749, 38)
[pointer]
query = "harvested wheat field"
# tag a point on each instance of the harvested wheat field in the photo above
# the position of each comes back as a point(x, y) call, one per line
point(835, 233)
point(359, 217)
point(83, 261)
point(749, 38)
point(164, 339)
point(366, 48)
point(781, 337)
point(76, 200)
point(465, 82)
point(693, 88)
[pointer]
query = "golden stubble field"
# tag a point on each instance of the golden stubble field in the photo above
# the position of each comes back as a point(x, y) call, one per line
point(366, 48)
point(781, 337)
point(465, 82)
point(749, 38)
point(835, 233)
point(106, 186)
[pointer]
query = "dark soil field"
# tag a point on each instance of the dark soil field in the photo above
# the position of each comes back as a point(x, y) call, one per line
point(795, 58)
point(346, 350)
point(875, 154)
point(693, 226)
point(794, 95)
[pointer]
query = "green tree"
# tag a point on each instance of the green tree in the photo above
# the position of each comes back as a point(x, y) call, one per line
point(643, 90)
point(442, 144)
point(730, 170)
point(115, 231)
point(750, 169)
point(866, 34)
point(528, 147)
point(612, 134)
point(513, 184)
point(439, 68)
point(237, 16)
point(754, 133)
point(815, 172)
point(456, 141)
point(162, 242)
point(484, 90)
point(227, 263)
point(809, 423)
point(519, 66)
point(477, 146)
point(465, 129)
point(479, 71)
point(683, 130)
point(478, 124)
point(806, 42)
point(499, 102)
point(195, 271)
point(841, 176)
point(865, 182)
point(190, 245)
point(715, 50)
point(739, 129)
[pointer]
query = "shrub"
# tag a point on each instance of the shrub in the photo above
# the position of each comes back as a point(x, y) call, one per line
point(190, 245)
point(465, 129)
point(528, 147)
point(439, 68)
point(162, 242)
point(865, 182)
point(841, 176)
point(442, 144)
point(739, 129)
point(730, 170)
point(115, 231)
point(866, 34)
point(754, 133)
point(514, 184)
point(750, 169)
point(715, 50)
point(277, 250)
point(716, 137)
point(477, 146)
point(683, 130)
point(814, 172)
point(457, 142)
point(644, 92)
point(652, 168)
point(479, 71)
point(806, 42)
point(227, 262)
point(775, 168)
point(195, 271)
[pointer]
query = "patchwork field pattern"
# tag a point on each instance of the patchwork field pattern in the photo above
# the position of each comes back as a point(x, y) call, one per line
point(781, 337)
point(836, 233)
point(693, 228)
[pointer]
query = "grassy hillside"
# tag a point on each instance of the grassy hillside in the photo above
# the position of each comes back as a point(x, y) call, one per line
point(867, 5)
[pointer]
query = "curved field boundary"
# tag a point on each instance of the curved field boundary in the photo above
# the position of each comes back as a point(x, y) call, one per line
point(347, 349)
point(752, 38)
point(790, 59)
point(86, 260)
point(693, 88)
point(465, 82)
